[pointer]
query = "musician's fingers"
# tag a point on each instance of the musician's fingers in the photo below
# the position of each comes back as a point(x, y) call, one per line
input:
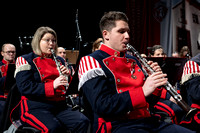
point(149, 62)
point(62, 66)
point(62, 77)
point(65, 70)
point(156, 68)
point(154, 64)
point(173, 100)
point(63, 82)
point(160, 82)
point(159, 74)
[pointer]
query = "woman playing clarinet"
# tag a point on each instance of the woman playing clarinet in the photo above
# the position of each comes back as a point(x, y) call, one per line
point(42, 87)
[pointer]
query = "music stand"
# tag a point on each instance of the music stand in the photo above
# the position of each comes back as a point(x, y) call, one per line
point(10, 80)
point(172, 66)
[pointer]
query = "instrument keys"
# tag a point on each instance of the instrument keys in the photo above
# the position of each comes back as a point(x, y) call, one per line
point(132, 71)
point(127, 60)
point(133, 76)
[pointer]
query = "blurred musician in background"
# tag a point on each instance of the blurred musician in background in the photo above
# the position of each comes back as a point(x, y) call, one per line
point(8, 52)
point(43, 86)
point(62, 53)
point(185, 52)
point(175, 54)
point(96, 44)
point(157, 51)
point(167, 103)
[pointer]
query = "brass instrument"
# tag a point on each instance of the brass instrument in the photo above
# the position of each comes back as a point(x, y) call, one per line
point(168, 86)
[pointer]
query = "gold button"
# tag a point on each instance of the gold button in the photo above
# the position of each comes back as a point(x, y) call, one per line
point(113, 59)
point(107, 63)
point(118, 80)
point(42, 75)
point(139, 70)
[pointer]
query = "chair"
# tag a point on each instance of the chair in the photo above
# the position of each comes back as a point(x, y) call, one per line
point(15, 126)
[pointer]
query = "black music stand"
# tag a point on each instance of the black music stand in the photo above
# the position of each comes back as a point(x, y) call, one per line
point(172, 66)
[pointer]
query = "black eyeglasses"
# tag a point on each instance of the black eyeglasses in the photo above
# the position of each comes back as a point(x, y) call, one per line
point(9, 52)
point(62, 52)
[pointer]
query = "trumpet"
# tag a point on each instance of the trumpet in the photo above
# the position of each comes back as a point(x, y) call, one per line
point(168, 86)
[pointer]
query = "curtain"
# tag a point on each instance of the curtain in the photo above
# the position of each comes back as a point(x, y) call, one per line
point(144, 26)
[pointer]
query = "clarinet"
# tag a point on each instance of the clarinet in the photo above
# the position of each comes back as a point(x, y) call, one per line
point(168, 86)
point(69, 97)
point(58, 66)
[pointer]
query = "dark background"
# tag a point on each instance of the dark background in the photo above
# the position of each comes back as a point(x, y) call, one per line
point(21, 19)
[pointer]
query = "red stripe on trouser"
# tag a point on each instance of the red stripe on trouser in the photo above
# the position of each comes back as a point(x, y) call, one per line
point(168, 110)
point(102, 125)
point(196, 118)
point(24, 112)
point(186, 122)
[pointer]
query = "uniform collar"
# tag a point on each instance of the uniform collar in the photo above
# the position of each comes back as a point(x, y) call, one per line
point(46, 55)
point(111, 51)
point(7, 62)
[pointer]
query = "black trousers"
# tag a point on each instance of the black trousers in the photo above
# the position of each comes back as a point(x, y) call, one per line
point(53, 117)
point(148, 125)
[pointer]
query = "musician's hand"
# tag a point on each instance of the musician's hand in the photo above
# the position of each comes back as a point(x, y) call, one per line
point(172, 99)
point(154, 66)
point(64, 70)
point(154, 81)
point(61, 80)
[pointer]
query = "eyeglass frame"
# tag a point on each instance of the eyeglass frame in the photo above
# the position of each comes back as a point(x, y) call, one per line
point(9, 52)
point(48, 40)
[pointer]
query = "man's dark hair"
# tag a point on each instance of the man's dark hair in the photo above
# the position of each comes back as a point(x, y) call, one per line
point(108, 21)
point(154, 48)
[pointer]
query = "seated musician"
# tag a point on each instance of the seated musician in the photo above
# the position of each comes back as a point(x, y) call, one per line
point(62, 53)
point(43, 88)
point(190, 90)
point(115, 87)
point(167, 103)
point(8, 52)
